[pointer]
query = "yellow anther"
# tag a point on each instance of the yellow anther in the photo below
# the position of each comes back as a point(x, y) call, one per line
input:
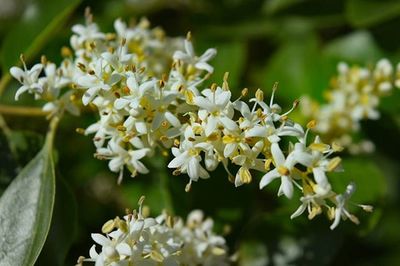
point(213, 87)
point(189, 96)
point(336, 147)
point(259, 95)
point(283, 171)
point(43, 60)
point(228, 139)
point(334, 163)
point(218, 251)
point(121, 128)
point(244, 92)
point(244, 175)
point(170, 221)
point(267, 164)
point(80, 130)
point(315, 210)
point(108, 226)
point(311, 124)
point(321, 147)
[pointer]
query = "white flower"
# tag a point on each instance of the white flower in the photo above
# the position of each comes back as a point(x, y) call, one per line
point(187, 160)
point(119, 157)
point(341, 211)
point(90, 32)
point(216, 110)
point(99, 80)
point(28, 79)
point(282, 169)
point(190, 57)
point(248, 159)
point(164, 240)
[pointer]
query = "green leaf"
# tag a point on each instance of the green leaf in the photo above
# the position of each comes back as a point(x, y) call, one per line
point(299, 69)
point(32, 32)
point(25, 210)
point(364, 13)
point(230, 58)
point(357, 47)
point(63, 227)
point(368, 177)
point(253, 253)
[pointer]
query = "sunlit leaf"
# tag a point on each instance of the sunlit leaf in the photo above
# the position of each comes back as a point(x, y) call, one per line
point(25, 211)
point(357, 47)
point(363, 13)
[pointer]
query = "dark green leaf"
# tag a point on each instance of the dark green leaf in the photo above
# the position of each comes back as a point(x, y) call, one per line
point(364, 13)
point(299, 69)
point(25, 211)
point(32, 32)
point(63, 227)
point(368, 177)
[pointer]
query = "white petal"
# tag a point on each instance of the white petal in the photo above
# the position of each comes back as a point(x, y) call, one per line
point(93, 253)
point(212, 124)
point(286, 187)
point(121, 103)
point(17, 73)
point(204, 103)
point(208, 55)
point(239, 159)
point(320, 177)
point(204, 66)
point(257, 131)
point(193, 169)
point(172, 119)
point(124, 249)
point(229, 149)
point(268, 177)
point(100, 239)
point(223, 98)
point(228, 123)
point(178, 161)
point(115, 164)
point(299, 211)
point(336, 221)
point(277, 154)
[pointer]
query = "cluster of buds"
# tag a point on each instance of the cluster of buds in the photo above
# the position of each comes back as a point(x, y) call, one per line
point(137, 239)
point(353, 96)
point(148, 91)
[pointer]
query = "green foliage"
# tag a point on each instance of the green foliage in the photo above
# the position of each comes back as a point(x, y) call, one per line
point(34, 30)
point(364, 13)
point(361, 170)
point(63, 227)
point(25, 210)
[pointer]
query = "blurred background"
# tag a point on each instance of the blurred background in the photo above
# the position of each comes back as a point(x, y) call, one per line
point(295, 42)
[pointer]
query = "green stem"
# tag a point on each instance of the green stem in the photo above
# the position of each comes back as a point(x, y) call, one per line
point(8, 134)
point(4, 82)
point(52, 131)
point(22, 110)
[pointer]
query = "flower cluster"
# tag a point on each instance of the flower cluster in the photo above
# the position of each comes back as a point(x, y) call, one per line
point(353, 96)
point(148, 90)
point(164, 240)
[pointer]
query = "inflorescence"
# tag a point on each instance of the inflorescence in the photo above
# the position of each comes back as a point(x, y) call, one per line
point(149, 92)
